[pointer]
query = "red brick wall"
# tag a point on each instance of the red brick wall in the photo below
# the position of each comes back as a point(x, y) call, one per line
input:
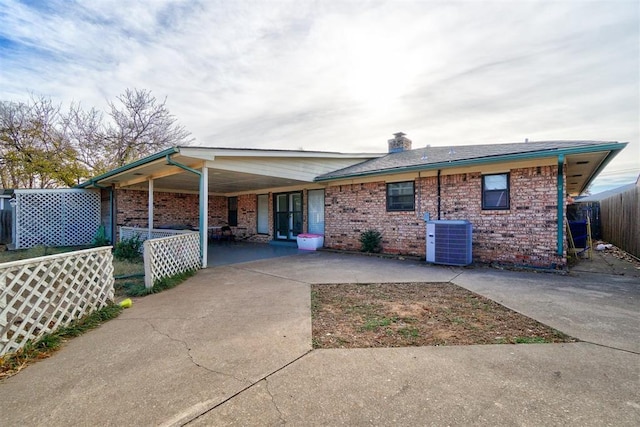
point(526, 234)
point(218, 211)
point(354, 208)
point(182, 209)
point(523, 235)
point(247, 215)
point(168, 209)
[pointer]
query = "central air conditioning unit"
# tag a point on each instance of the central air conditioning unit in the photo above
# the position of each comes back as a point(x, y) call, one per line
point(449, 242)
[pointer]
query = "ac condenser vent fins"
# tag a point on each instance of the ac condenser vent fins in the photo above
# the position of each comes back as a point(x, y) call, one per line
point(449, 242)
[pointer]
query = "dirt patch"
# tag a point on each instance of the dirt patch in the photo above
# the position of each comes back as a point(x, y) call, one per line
point(416, 314)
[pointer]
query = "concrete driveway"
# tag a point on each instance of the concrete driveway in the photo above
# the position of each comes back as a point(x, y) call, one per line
point(232, 346)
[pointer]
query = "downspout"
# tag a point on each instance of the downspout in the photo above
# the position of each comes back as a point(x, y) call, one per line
point(560, 205)
point(439, 189)
point(419, 196)
point(201, 220)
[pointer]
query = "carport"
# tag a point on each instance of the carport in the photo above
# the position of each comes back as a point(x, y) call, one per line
point(219, 172)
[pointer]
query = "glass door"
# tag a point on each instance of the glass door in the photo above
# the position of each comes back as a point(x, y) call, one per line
point(288, 215)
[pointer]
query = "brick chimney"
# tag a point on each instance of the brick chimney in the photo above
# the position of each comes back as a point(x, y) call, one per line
point(399, 143)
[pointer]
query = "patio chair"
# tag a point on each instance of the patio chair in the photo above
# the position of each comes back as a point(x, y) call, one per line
point(226, 233)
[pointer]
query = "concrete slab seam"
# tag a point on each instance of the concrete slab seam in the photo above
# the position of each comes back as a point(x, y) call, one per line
point(610, 347)
point(268, 274)
point(345, 282)
point(206, 411)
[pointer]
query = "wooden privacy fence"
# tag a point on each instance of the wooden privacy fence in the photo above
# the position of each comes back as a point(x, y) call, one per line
point(168, 256)
point(620, 220)
point(40, 295)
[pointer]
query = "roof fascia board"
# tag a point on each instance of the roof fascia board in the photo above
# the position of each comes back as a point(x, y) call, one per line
point(164, 174)
point(197, 152)
point(125, 168)
point(613, 147)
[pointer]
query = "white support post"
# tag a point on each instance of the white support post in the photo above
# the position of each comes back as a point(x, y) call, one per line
point(204, 214)
point(150, 225)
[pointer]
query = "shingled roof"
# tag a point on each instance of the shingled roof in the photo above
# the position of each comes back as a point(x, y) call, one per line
point(454, 156)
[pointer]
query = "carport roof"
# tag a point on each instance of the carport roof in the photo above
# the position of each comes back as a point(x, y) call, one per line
point(230, 170)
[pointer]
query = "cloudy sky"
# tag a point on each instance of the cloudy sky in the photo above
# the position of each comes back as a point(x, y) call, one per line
point(337, 75)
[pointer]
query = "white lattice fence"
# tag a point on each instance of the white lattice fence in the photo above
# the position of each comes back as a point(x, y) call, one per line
point(40, 295)
point(67, 217)
point(168, 256)
point(125, 233)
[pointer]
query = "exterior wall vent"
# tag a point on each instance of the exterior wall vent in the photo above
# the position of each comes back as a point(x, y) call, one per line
point(449, 242)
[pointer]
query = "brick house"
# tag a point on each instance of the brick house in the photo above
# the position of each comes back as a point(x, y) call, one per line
point(514, 194)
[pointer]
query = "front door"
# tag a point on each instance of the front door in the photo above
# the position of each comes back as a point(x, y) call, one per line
point(288, 215)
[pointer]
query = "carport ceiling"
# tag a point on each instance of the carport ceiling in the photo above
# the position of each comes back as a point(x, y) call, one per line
point(220, 182)
point(228, 173)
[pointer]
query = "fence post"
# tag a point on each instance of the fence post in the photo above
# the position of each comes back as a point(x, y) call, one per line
point(148, 271)
point(4, 339)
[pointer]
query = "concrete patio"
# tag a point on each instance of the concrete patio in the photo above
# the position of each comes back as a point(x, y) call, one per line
point(232, 346)
point(225, 253)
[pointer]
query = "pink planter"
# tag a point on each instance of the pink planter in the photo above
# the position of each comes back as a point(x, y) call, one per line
point(310, 242)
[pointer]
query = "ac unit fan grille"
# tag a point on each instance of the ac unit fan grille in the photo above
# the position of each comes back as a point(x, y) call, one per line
point(449, 242)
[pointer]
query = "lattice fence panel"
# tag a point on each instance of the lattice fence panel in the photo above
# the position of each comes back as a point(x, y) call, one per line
point(168, 256)
point(125, 233)
point(40, 295)
point(68, 217)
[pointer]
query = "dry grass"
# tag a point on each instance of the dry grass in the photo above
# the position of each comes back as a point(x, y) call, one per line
point(36, 251)
point(127, 268)
point(417, 314)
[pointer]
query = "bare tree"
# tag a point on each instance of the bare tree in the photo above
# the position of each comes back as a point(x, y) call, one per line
point(86, 133)
point(141, 126)
point(40, 147)
point(34, 152)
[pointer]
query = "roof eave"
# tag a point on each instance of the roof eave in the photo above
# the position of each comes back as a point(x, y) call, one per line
point(614, 148)
point(93, 182)
point(258, 152)
point(599, 169)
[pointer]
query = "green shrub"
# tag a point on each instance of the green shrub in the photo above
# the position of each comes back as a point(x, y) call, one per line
point(371, 241)
point(100, 239)
point(128, 249)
